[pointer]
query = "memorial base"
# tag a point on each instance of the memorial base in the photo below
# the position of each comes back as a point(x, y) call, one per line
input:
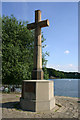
point(37, 95)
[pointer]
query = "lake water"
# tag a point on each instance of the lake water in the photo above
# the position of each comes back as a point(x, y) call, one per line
point(66, 87)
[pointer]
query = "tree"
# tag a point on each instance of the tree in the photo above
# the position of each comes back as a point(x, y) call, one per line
point(46, 75)
point(17, 50)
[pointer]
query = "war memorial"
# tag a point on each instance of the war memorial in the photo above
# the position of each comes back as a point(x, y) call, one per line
point(37, 94)
point(37, 99)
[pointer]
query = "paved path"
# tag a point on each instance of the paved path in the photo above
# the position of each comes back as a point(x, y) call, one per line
point(66, 107)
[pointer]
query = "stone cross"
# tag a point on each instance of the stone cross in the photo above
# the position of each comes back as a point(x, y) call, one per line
point(37, 73)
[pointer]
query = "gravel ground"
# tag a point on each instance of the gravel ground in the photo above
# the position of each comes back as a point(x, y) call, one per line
point(66, 107)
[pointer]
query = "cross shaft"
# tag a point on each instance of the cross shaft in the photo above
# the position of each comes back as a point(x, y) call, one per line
point(37, 70)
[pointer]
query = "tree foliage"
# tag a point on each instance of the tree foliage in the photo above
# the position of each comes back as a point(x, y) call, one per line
point(17, 50)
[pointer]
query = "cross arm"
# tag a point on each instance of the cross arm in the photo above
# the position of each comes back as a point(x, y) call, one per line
point(31, 26)
point(44, 23)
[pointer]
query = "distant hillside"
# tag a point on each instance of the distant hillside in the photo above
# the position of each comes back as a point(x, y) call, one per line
point(60, 74)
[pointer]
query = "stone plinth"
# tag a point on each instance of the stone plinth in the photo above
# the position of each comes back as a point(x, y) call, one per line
point(37, 95)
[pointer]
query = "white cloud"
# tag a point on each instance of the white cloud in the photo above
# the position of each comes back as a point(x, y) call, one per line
point(66, 68)
point(58, 65)
point(67, 52)
point(71, 65)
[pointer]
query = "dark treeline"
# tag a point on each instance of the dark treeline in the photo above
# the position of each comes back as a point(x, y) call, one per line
point(60, 74)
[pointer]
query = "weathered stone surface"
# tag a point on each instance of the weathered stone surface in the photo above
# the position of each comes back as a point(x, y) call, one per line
point(40, 97)
point(37, 95)
point(37, 73)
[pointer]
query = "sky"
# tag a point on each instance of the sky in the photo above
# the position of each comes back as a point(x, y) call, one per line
point(61, 35)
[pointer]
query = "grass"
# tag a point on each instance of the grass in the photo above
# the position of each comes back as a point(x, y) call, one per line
point(17, 96)
point(56, 110)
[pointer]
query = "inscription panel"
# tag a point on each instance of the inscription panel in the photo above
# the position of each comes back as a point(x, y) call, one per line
point(30, 87)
